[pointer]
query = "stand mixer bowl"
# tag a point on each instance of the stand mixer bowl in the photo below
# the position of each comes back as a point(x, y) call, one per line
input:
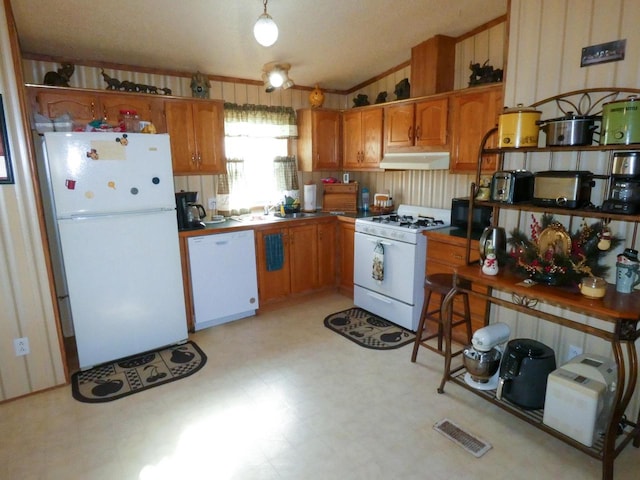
point(481, 365)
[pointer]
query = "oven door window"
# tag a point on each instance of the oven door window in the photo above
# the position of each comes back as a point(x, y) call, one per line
point(399, 267)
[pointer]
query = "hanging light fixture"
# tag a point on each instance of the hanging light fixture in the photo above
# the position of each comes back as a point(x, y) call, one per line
point(265, 30)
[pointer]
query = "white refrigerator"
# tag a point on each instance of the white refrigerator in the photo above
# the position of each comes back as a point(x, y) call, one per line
point(111, 221)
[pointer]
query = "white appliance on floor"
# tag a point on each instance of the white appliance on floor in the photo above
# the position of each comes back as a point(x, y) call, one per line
point(224, 281)
point(398, 297)
point(110, 212)
point(580, 397)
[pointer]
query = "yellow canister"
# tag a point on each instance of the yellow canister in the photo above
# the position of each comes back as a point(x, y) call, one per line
point(518, 127)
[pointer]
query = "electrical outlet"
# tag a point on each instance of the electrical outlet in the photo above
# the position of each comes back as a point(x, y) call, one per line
point(212, 203)
point(574, 351)
point(21, 346)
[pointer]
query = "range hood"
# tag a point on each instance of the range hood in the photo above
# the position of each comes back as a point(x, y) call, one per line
point(416, 161)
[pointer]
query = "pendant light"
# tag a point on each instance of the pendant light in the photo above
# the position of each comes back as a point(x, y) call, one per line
point(265, 30)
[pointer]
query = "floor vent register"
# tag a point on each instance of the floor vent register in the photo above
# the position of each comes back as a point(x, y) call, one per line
point(472, 444)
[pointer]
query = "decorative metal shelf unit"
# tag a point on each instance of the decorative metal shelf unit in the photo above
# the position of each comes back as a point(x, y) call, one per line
point(620, 311)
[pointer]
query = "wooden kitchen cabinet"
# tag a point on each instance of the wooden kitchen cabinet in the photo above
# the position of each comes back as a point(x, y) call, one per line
point(326, 254)
point(474, 111)
point(362, 138)
point(196, 128)
point(303, 248)
point(84, 105)
point(346, 235)
point(444, 254)
point(309, 259)
point(416, 126)
point(318, 139)
point(275, 284)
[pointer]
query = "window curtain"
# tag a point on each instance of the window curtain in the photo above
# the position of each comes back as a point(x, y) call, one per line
point(285, 171)
point(232, 188)
point(255, 121)
point(259, 121)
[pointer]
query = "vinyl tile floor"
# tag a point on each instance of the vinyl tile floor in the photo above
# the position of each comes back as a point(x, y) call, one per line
point(283, 397)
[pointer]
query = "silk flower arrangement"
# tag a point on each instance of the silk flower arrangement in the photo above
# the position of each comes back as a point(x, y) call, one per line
point(552, 256)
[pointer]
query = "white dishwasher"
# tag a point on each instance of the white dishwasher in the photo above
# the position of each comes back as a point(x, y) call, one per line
point(224, 281)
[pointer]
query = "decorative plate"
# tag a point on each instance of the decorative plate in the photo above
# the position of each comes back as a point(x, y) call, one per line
point(556, 239)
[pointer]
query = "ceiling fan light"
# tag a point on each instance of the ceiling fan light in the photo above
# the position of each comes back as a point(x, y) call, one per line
point(265, 30)
point(287, 84)
point(276, 78)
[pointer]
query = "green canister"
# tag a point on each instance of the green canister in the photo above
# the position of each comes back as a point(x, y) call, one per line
point(621, 122)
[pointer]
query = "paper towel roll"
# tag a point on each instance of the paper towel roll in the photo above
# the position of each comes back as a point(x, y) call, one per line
point(309, 198)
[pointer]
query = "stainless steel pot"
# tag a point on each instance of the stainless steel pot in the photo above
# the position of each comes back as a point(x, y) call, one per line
point(570, 130)
point(626, 164)
point(621, 122)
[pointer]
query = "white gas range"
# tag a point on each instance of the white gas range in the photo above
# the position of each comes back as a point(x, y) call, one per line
point(396, 239)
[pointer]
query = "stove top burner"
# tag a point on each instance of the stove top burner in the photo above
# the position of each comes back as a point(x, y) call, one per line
point(407, 221)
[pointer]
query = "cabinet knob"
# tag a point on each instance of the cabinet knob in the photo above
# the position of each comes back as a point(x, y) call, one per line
point(418, 132)
point(410, 133)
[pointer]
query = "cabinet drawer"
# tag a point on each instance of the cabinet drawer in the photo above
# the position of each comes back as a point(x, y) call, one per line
point(444, 252)
point(443, 248)
point(341, 187)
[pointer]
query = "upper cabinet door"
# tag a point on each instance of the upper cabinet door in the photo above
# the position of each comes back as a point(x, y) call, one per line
point(351, 139)
point(82, 107)
point(112, 104)
point(319, 142)
point(181, 131)
point(371, 138)
point(431, 122)
point(399, 126)
point(209, 132)
point(474, 113)
point(362, 139)
point(326, 140)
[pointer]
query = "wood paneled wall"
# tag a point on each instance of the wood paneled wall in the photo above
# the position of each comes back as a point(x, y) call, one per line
point(26, 308)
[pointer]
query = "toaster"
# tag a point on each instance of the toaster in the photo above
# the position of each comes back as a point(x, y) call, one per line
point(563, 188)
point(512, 186)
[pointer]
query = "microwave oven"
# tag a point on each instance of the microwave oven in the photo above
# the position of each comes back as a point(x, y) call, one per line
point(460, 213)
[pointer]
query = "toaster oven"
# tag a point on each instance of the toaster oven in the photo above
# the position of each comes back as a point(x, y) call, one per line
point(563, 188)
point(512, 186)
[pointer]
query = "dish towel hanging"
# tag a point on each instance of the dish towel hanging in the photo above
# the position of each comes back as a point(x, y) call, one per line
point(377, 271)
point(274, 251)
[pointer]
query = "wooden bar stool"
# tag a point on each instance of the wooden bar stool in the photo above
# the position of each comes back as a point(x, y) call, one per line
point(440, 283)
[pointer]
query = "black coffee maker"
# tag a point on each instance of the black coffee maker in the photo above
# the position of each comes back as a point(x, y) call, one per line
point(624, 186)
point(190, 214)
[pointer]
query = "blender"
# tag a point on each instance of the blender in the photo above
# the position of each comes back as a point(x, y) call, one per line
point(482, 358)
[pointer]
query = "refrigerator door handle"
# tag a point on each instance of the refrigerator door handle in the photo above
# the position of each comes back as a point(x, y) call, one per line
point(148, 211)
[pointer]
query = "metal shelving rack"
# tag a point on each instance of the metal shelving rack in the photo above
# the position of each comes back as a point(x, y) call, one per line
point(625, 325)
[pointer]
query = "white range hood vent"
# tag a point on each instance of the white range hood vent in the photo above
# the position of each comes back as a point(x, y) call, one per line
point(416, 161)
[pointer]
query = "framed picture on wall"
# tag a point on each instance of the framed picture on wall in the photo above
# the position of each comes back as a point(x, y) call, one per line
point(603, 53)
point(6, 172)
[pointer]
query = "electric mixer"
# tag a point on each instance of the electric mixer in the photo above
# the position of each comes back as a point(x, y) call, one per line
point(482, 358)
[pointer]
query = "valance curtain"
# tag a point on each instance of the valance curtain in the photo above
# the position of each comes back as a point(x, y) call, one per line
point(259, 121)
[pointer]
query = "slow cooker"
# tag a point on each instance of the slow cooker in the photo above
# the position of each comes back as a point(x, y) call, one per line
point(517, 127)
point(621, 122)
point(570, 130)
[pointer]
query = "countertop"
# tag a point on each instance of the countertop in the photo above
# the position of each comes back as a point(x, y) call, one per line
point(256, 221)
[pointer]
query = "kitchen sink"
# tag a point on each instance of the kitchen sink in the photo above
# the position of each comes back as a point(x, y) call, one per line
point(294, 215)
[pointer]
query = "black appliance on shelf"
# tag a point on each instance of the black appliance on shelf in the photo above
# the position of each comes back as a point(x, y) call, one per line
point(189, 213)
point(480, 219)
point(624, 186)
point(524, 369)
